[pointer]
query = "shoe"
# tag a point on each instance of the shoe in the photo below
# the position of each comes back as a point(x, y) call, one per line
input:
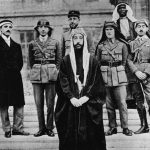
point(111, 131)
point(40, 133)
point(14, 132)
point(50, 133)
point(143, 119)
point(143, 129)
point(8, 134)
point(127, 132)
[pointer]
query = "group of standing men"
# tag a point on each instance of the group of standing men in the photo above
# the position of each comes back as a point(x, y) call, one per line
point(81, 80)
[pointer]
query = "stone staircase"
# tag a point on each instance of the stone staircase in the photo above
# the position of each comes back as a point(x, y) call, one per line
point(115, 142)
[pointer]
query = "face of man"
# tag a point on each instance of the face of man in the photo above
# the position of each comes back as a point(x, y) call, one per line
point(78, 41)
point(43, 30)
point(110, 32)
point(6, 29)
point(73, 22)
point(141, 29)
point(122, 10)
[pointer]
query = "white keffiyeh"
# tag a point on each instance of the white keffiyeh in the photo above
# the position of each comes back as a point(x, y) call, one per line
point(86, 57)
point(116, 16)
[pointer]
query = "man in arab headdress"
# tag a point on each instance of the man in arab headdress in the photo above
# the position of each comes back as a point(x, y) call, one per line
point(123, 16)
point(78, 112)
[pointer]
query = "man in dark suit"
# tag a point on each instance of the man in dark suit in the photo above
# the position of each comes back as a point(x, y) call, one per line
point(11, 87)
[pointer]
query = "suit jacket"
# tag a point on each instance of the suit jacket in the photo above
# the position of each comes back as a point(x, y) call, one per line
point(11, 63)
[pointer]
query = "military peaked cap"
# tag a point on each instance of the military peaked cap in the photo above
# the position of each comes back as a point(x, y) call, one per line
point(74, 13)
point(43, 22)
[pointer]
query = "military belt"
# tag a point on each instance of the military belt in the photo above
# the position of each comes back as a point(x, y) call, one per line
point(145, 61)
point(43, 61)
point(111, 64)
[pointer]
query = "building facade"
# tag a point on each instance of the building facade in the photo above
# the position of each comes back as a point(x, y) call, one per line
point(26, 13)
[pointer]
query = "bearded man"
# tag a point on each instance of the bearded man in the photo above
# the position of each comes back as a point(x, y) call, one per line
point(78, 113)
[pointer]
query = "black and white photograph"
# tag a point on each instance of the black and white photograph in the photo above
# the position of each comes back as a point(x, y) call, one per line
point(74, 74)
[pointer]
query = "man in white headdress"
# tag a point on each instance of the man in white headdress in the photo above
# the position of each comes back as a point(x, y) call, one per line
point(123, 16)
point(78, 112)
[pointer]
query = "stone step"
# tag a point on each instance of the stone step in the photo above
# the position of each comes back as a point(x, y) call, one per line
point(31, 123)
point(114, 142)
point(33, 115)
point(34, 129)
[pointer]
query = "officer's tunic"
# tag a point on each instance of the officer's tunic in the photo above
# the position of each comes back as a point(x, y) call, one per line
point(139, 60)
point(112, 61)
point(42, 54)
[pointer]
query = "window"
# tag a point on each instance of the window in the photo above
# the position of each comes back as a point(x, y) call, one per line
point(25, 38)
point(92, 0)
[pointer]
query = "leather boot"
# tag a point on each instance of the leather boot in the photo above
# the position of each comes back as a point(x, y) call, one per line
point(111, 131)
point(144, 125)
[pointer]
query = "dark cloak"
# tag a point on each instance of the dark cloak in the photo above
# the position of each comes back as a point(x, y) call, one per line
point(80, 128)
point(11, 63)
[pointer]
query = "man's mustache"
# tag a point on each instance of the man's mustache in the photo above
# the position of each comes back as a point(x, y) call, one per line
point(72, 23)
point(78, 44)
point(141, 30)
point(8, 31)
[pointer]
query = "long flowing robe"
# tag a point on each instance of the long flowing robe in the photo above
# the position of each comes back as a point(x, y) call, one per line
point(80, 128)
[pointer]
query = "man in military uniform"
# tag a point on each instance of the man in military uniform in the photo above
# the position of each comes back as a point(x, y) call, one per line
point(139, 64)
point(74, 20)
point(44, 59)
point(11, 87)
point(112, 54)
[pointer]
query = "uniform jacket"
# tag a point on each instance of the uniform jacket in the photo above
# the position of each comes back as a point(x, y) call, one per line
point(131, 29)
point(80, 128)
point(41, 58)
point(11, 62)
point(65, 43)
point(139, 59)
point(113, 75)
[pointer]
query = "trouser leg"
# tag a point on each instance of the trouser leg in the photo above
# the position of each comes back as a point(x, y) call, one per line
point(38, 90)
point(5, 118)
point(139, 97)
point(120, 96)
point(18, 117)
point(50, 99)
point(110, 105)
point(146, 89)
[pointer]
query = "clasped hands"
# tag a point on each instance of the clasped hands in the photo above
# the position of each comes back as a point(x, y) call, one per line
point(79, 102)
point(141, 75)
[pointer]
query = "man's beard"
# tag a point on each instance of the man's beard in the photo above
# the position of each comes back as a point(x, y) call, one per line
point(123, 14)
point(78, 47)
point(73, 26)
